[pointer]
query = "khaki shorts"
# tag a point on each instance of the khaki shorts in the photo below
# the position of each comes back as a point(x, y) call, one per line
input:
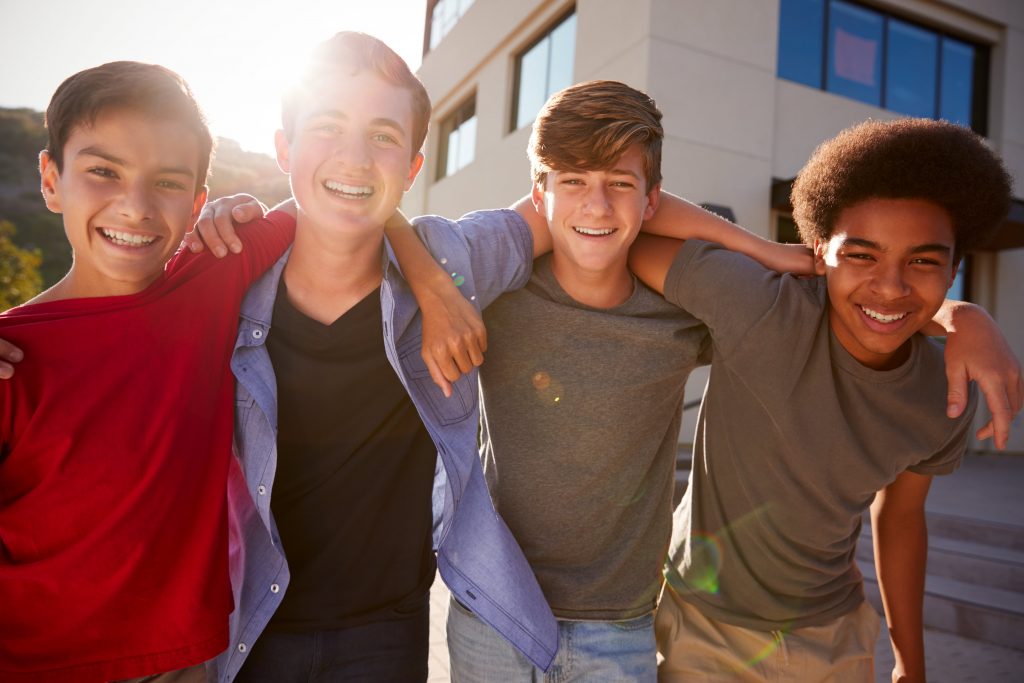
point(694, 647)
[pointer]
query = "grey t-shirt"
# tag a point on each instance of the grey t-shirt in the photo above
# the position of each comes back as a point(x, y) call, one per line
point(793, 440)
point(580, 430)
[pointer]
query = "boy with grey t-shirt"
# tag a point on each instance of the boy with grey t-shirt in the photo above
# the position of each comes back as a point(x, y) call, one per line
point(821, 394)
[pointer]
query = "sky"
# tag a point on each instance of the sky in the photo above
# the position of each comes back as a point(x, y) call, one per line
point(235, 54)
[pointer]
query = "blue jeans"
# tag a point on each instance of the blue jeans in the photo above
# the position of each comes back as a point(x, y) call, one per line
point(591, 651)
point(381, 652)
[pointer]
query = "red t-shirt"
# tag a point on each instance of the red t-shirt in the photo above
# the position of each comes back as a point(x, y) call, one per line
point(115, 439)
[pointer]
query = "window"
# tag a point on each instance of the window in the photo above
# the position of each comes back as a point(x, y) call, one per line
point(872, 57)
point(542, 69)
point(444, 14)
point(458, 139)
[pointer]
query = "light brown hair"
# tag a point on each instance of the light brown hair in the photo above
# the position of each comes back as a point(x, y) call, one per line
point(588, 126)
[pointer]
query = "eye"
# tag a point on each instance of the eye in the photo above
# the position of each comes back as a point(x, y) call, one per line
point(925, 261)
point(171, 185)
point(624, 184)
point(327, 128)
point(101, 171)
point(571, 181)
point(859, 256)
point(385, 138)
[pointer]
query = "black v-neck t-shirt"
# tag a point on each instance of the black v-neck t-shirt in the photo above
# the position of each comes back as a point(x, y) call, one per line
point(355, 469)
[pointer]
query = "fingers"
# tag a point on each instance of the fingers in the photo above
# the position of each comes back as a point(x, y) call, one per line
point(438, 375)
point(9, 353)
point(216, 224)
point(956, 393)
point(999, 405)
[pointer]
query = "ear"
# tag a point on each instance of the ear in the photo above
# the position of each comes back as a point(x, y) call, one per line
point(537, 195)
point(653, 198)
point(49, 182)
point(198, 202)
point(414, 170)
point(282, 147)
point(820, 246)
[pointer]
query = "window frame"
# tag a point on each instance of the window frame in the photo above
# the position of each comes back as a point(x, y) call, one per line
point(518, 61)
point(457, 114)
point(980, 76)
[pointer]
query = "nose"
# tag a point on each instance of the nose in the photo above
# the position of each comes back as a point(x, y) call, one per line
point(597, 203)
point(889, 281)
point(136, 202)
point(353, 151)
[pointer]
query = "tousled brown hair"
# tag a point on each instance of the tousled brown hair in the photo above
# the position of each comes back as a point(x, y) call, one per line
point(588, 126)
point(149, 89)
point(935, 161)
point(354, 51)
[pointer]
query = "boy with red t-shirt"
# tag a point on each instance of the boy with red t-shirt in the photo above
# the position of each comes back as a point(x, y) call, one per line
point(115, 444)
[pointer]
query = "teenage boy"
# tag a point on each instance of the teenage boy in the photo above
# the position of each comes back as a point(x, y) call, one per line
point(338, 425)
point(840, 402)
point(114, 450)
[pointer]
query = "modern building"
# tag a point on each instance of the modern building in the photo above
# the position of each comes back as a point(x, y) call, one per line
point(748, 89)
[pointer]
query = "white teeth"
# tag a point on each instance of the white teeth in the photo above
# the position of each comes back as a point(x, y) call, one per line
point(593, 231)
point(127, 239)
point(357, 191)
point(881, 317)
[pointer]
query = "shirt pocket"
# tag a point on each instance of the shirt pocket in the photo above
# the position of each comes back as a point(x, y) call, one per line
point(427, 396)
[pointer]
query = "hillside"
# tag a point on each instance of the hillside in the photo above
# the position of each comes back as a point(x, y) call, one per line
point(22, 136)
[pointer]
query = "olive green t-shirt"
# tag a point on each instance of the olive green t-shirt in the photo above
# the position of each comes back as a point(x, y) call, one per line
point(794, 438)
point(582, 422)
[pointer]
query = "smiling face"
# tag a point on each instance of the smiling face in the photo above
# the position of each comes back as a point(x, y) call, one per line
point(351, 155)
point(888, 265)
point(594, 216)
point(128, 195)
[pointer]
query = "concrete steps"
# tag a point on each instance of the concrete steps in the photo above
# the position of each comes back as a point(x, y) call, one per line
point(974, 585)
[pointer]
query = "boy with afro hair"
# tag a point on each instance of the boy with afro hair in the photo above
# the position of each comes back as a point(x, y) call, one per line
point(842, 405)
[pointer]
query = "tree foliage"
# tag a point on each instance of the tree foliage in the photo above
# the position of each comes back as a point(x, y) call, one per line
point(20, 279)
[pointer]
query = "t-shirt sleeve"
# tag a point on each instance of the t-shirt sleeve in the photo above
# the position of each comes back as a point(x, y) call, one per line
point(498, 243)
point(730, 292)
point(263, 242)
point(948, 458)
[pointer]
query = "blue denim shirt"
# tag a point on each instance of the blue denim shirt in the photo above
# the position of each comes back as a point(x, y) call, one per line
point(489, 253)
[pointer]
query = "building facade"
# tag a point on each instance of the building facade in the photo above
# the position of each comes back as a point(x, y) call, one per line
point(748, 88)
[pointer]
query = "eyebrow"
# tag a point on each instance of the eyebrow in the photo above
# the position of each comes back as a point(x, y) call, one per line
point(919, 249)
point(94, 151)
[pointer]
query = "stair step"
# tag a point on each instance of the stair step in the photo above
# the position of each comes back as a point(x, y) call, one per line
point(966, 609)
point(964, 561)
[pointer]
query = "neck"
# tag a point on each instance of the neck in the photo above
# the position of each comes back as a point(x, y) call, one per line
point(328, 276)
point(76, 286)
point(605, 288)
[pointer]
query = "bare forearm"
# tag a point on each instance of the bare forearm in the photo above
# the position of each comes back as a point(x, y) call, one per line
point(901, 550)
point(680, 219)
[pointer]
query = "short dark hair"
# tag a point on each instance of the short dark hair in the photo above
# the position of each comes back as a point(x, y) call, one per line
point(935, 161)
point(356, 52)
point(149, 89)
point(589, 125)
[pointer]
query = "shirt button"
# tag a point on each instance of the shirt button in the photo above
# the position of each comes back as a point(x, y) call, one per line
point(274, 588)
point(261, 489)
point(257, 334)
point(242, 647)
